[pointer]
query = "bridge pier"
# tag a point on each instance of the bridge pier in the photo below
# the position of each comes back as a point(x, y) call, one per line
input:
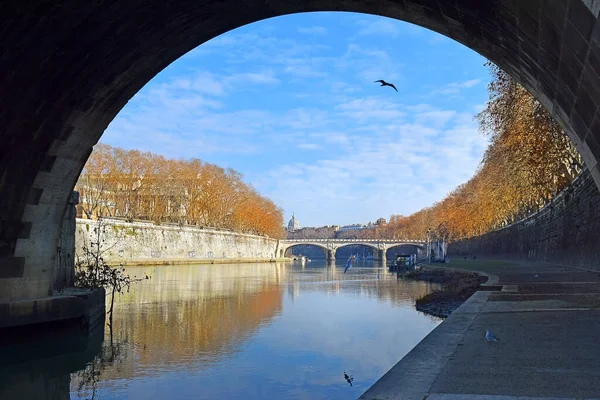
point(382, 256)
point(330, 254)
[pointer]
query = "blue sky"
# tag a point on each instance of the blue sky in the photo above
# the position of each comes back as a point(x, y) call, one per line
point(290, 103)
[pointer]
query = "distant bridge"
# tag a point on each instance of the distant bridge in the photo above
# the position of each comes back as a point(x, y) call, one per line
point(330, 246)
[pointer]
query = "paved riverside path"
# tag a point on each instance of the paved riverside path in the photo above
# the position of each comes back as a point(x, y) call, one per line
point(549, 348)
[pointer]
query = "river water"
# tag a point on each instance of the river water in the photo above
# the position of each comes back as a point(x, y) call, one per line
point(251, 331)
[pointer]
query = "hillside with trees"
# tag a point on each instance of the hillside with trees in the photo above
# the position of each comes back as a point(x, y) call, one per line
point(528, 161)
point(135, 185)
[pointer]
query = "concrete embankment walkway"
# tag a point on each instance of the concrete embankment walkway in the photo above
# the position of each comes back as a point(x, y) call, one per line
point(547, 318)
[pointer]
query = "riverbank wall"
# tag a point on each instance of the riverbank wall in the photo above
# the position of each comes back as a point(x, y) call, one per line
point(146, 243)
point(565, 232)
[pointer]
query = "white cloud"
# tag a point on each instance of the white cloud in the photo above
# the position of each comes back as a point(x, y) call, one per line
point(399, 171)
point(381, 26)
point(370, 109)
point(470, 83)
point(252, 78)
point(387, 27)
point(369, 64)
point(436, 118)
point(309, 146)
point(201, 82)
point(455, 87)
point(313, 30)
point(303, 70)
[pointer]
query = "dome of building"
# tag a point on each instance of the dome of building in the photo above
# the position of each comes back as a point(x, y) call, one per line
point(293, 225)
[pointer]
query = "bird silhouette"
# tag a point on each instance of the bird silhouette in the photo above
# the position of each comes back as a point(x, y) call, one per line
point(384, 83)
point(349, 379)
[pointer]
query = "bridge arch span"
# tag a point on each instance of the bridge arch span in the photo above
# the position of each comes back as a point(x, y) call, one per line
point(416, 248)
point(287, 247)
point(371, 245)
point(295, 244)
point(421, 246)
point(97, 56)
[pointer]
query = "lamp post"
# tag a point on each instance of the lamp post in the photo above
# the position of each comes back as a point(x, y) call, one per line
point(427, 239)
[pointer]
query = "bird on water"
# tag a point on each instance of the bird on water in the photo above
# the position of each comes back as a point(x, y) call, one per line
point(384, 83)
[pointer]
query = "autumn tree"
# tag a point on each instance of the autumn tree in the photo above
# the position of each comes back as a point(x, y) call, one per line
point(94, 184)
point(528, 161)
point(137, 185)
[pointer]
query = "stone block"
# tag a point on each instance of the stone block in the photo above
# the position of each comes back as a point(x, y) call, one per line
point(583, 16)
point(593, 6)
point(575, 41)
point(41, 310)
point(592, 144)
point(595, 171)
point(39, 267)
point(570, 70)
point(585, 108)
point(12, 267)
point(29, 288)
point(5, 285)
point(594, 56)
point(565, 99)
point(591, 83)
point(578, 124)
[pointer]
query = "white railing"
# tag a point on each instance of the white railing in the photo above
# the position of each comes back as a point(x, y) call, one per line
point(351, 241)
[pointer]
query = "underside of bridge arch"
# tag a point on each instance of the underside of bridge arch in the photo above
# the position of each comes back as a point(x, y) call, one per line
point(370, 245)
point(69, 67)
point(403, 249)
point(288, 249)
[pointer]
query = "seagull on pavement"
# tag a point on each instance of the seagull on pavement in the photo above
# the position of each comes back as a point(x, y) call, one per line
point(490, 336)
point(384, 83)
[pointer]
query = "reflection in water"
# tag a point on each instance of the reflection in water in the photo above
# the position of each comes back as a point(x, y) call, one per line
point(184, 317)
point(196, 314)
point(110, 357)
point(246, 331)
point(42, 369)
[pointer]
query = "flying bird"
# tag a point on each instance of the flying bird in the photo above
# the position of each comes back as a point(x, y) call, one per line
point(490, 336)
point(349, 379)
point(349, 263)
point(384, 83)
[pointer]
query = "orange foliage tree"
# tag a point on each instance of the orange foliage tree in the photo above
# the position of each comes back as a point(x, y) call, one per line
point(135, 185)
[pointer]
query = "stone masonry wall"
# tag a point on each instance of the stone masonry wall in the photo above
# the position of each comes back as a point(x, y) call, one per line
point(567, 232)
point(138, 241)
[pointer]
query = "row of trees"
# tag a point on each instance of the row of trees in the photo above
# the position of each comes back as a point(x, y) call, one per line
point(529, 160)
point(135, 185)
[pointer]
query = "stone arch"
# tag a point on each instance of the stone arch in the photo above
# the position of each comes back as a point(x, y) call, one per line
point(94, 57)
point(394, 247)
point(418, 245)
point(366, 244)
point(290, 246)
